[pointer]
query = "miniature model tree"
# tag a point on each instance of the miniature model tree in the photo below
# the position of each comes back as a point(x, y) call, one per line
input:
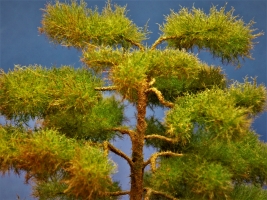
point(205, 146)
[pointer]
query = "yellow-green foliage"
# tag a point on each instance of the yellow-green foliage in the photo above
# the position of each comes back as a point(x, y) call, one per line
point(40, 154)
point(213, 111)
point(209, 168)
point(8, 151)
point(46, 154)
point(35, 91)
point(89, 174)
point(248, 154)
point(174, 71)
point(75, 25)
point(138, 66)
point(249, 95)
point(51, 189)
point(102, 58)
point(181, 176)
point(204, 78)
point(93, 125)
point(222, 33)
point(248, 192)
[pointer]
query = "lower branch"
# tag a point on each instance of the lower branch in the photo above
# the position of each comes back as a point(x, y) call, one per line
point(162, 39)
point(118, 193)
point(153, 158)
point(109, 88)
point(155, 136)
point(149, 191)
point(160, 97)
point(118, 152)
point(125, 131)
point(141, 47)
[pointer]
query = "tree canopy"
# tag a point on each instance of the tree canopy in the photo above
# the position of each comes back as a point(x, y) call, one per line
point(205, 145)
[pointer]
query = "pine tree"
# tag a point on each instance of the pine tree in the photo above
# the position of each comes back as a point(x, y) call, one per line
point(206, 148)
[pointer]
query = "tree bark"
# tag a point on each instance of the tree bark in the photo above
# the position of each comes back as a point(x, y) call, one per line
point(137, 170)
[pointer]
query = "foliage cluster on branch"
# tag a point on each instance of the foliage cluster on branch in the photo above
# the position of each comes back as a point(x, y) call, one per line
point(205, 146)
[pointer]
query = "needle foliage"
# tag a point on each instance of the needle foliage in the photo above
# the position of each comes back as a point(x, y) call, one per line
point(205, 147)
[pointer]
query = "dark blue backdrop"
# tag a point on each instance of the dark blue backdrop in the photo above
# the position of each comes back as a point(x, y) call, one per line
point(21, 44)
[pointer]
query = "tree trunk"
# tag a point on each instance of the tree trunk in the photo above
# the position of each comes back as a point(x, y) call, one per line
point(137, 170)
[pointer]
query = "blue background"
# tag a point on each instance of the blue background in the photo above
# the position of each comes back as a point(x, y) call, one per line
point(20, 43)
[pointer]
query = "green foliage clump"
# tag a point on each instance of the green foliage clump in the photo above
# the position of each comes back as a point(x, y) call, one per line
point(174, 72)
point(248, 155)
point(8, 150)
point(192, 175)
point(251, 192)
point(85, 181)
point(77, 26)
point(222, 33)
point(249, 95)
point(218, 169)
point(35, 91)
point(47, 155)
point(96, 124)
point(172, 87)
point(102, 58)
point(201, 111)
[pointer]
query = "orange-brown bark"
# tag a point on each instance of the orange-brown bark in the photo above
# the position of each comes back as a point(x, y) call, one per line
point(137, 170)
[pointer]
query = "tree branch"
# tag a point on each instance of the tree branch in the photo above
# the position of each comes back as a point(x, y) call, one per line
point(109, 146)
point(152, 82)
point(118, 193)
point(155, 136)
point(141, 47)
point(125, 131)
point(162, 39)
point(108, 88)
point(160, 97)
point(150, 191)
point(152, 159)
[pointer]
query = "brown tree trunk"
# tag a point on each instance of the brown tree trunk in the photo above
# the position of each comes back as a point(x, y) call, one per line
point(137, 170)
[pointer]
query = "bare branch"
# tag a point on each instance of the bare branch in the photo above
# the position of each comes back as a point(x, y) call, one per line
point(125, 131)
point(118, 193)
point(108, 88)
point(155, 136)
point(160, 97)
point(118, 152)
point(162, 39)
point(150, 191)
point(141, 47)
point(152, 82)
point(153, 158)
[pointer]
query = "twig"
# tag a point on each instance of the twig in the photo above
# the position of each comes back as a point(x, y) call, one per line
point(118, 193)
point(125, 131)
point(118, 152)
point(161, 39)
point(155, 136)
point(108, 88)
point(152, 159)
point(152, 82)
point(148, 193)
point(141, 47)
point(160, 97)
